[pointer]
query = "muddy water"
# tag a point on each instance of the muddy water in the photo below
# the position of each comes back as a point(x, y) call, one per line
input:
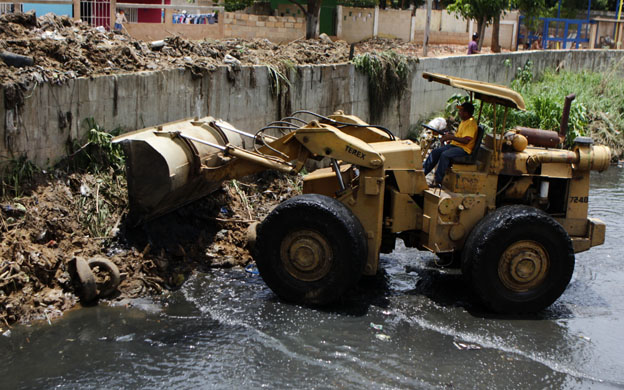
point(226, 330)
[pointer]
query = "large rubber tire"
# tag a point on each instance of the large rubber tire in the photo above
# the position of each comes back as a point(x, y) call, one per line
point(110, 269)
point(85, 280)
point(310, 249)
point(518, 259)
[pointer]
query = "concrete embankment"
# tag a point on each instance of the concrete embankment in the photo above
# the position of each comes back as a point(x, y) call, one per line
point(53, 115)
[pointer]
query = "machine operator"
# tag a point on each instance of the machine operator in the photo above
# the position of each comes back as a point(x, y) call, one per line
point(461, 144)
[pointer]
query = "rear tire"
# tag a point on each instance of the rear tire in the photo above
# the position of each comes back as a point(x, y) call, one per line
point(518, 259)
point(310, 249)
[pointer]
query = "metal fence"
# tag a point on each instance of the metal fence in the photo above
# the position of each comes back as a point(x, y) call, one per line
point(554, 33)
point(95, 12)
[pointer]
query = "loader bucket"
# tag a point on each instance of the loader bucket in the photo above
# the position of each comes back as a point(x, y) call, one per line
point(163, 169)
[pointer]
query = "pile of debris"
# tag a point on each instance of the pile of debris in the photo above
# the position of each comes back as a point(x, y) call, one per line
point(414, 49)
point(60, 49)
point(84, 215)
point(55, 48)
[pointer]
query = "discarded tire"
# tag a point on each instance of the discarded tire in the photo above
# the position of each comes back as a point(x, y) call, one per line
point(112, 276)
point(518, 259)
point(84, 279)
point(310, 249)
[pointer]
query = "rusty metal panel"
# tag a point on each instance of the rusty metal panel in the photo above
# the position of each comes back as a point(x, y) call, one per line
point(399, 154)
point(411, 182)
point(405, 214)
point(557, 170)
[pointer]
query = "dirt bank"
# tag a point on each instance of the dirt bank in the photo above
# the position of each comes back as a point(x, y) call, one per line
point(68, 215)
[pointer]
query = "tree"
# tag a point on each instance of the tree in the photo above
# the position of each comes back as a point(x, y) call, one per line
point(531, 10)
point(235, 5)
point(572, 8)
point(312, 13)
point(495, 33)
point(483, 11)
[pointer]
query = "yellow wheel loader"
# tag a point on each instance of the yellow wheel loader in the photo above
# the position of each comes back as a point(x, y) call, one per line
point(514, 212)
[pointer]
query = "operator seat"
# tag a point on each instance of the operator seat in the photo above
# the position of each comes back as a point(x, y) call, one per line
point(472, 157)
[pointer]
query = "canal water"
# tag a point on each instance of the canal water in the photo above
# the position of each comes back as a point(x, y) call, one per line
point(416, 326)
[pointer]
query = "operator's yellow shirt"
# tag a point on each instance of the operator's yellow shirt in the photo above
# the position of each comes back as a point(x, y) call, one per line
point(467, 128)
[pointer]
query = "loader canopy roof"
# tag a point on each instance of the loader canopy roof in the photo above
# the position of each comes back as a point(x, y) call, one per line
point(491, 93)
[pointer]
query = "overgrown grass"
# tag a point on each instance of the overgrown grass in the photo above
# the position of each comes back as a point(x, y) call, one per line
point(388, 73)
point(597, 111)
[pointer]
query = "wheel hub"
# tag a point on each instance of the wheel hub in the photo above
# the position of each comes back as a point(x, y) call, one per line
point(306, 255)
point(523, 265)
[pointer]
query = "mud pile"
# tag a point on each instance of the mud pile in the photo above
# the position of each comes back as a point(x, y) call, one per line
point(85, 215)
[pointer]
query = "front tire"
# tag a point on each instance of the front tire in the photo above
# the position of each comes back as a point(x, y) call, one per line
point(310, 249)
point(518, 259)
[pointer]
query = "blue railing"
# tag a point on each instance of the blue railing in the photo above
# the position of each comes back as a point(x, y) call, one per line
point(573, 35)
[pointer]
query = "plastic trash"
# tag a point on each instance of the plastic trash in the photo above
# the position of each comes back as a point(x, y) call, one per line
point(228, 59)
point(376, 326)
point(251, 269)
point(465, 346)
point(325, 38)
point(17, 210)
point(155, 45)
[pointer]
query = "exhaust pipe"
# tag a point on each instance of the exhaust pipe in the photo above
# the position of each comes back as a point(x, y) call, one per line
point(584, 157)
point(565, 116)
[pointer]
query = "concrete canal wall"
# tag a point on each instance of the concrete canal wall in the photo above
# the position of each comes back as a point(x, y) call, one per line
point(53, 115)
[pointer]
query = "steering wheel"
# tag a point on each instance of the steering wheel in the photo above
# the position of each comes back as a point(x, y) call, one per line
point(427, 145)
point(432, 129)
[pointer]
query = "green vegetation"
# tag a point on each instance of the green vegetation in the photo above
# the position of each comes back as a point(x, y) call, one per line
point(388, 73)
point(597, 111)
point(236, 5)
point(96, 208)
point(14, 173)
point(97, 152)
point(359, 3)
point(279, 81)
point(483, 11)
point(281, 86)
point(98, 161)
point(105, 160)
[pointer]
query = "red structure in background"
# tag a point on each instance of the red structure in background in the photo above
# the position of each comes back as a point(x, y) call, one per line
point(147, 15)
point(97, 12)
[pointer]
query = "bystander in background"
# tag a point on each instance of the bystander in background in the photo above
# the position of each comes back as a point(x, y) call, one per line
point(473, 46)
point(120, 20)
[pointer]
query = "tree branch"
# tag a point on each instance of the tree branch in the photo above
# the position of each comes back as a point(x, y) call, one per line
point(305, 12)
